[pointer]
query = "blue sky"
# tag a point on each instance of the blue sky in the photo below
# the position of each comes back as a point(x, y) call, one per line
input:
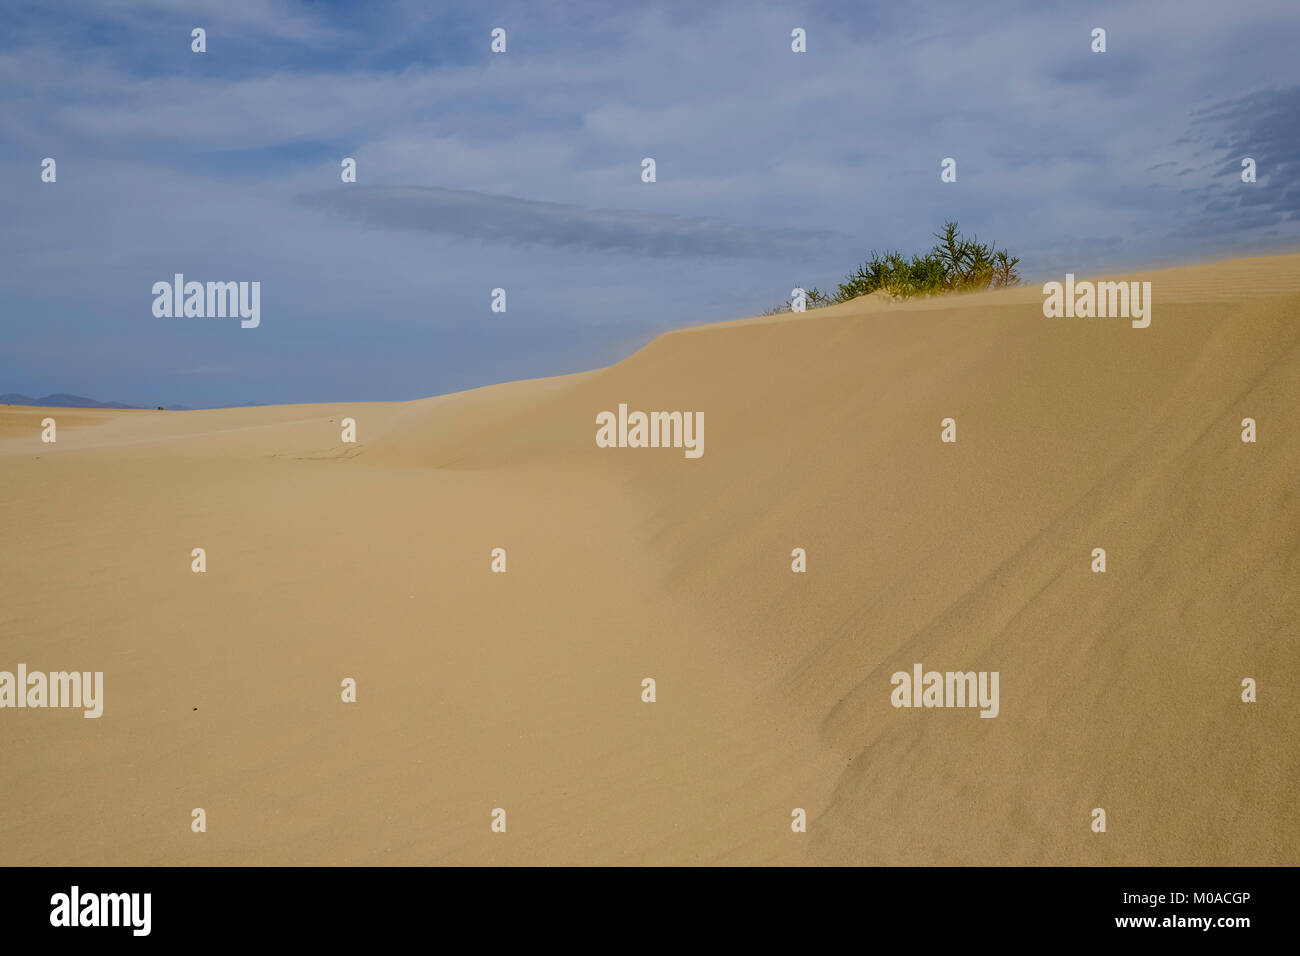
point(523, 171)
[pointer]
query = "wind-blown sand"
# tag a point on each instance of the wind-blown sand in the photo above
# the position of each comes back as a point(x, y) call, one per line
point(479, 690)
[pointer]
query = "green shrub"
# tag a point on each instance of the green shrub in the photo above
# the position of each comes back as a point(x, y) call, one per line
point(954, 264)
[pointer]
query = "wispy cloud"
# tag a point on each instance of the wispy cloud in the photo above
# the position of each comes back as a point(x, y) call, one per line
point(465, 214)
point(1261, 125)
point(240, 19)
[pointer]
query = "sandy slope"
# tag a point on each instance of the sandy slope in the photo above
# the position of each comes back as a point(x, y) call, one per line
point(522, 690)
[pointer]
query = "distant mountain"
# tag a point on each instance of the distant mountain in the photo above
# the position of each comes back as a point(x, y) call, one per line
point(61, 400)
point(64, 400)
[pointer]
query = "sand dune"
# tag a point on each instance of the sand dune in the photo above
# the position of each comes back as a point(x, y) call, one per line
point(522, 690)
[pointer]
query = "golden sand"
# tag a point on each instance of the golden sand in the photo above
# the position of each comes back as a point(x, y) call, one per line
point(523, 690)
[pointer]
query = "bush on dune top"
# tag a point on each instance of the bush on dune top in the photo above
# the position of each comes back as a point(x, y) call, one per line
point(954, 264)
